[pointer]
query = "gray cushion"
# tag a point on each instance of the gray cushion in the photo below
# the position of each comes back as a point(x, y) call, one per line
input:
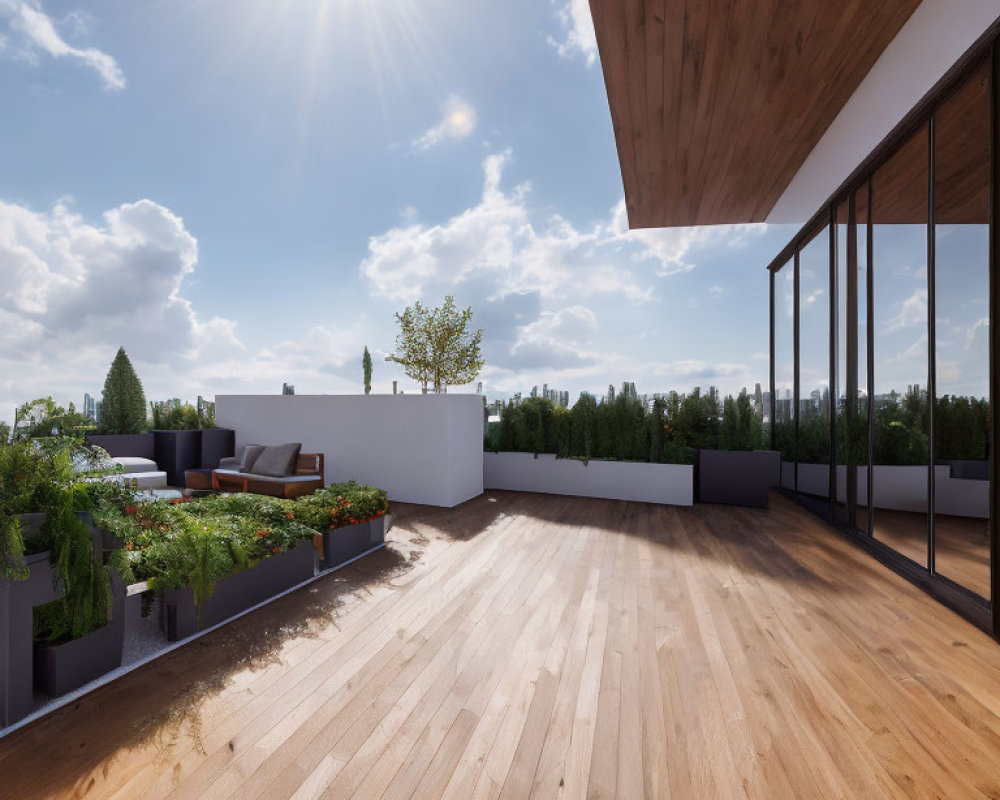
point(250, 455)
point(277, 460)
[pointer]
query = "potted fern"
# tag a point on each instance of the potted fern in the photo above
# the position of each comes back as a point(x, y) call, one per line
point(213, 558)
point(79, 636)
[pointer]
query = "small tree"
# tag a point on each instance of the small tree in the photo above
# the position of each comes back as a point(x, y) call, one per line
point(366, 365)
point(436, 347)
point(124, 409)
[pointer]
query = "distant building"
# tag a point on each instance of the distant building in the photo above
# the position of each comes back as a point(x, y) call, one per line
point(287, 388)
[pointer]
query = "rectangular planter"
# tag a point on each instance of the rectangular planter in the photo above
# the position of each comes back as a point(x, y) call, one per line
point(17, 600)
point(342, 544)
point(966, 470)
point(216, 444)
point(122, 445)
point(177, 451)
point(741, 478)
point(237, 592)
point(64, 667)
point(670, 484)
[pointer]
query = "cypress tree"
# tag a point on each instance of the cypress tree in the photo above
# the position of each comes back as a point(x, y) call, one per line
point(124, 409)
point(366, 365)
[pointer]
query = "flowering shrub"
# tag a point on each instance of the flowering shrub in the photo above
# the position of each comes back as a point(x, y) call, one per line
point(341, 504)
point(196, 542)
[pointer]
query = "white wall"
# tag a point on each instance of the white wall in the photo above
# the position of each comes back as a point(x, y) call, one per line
point(671, 484)
point(931, 41)
point(904, 489)
point(420, 448)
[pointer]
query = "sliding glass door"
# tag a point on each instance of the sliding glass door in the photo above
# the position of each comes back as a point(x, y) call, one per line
point(881, 350)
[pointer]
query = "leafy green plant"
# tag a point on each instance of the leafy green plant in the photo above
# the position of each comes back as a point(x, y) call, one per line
point(196, 542)
point(85, 603)
point(12, 565)
point(436, 347)
point(124, 402)
point(174, 416)
point(33, 475)
point(45, 417)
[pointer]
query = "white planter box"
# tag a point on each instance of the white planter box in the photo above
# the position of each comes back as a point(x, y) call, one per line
point(420, 448)
point(671, 484)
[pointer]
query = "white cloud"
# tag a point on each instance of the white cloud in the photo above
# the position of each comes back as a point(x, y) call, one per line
point(812, 297)
point(497, 247)
point(73, 292)
point(540, 285)
point(458, 121)
point(578, 28)
point(34, 32)
point(556, 340)
point(983, 325)
point(716, 291)
point(912, 311)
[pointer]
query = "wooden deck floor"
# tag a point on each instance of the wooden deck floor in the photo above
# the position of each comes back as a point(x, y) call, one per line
point(530, 646)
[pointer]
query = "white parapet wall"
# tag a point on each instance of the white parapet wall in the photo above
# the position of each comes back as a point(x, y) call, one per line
point(902, 488)
point(670, 484)
point(424, 449)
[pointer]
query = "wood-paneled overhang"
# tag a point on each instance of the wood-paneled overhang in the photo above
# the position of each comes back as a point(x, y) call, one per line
point(717, 103)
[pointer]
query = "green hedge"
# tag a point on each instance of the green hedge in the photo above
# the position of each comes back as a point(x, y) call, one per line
point(901, 423)
point(667, 431)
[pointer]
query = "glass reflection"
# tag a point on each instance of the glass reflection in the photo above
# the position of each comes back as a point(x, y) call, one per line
point(858, 426)
point(840, 398)
point(901, 452)
point(784, 371)
point(962, 283)
point(814, 366)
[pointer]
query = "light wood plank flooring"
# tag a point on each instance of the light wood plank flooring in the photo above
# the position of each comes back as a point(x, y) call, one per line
point(527, 646)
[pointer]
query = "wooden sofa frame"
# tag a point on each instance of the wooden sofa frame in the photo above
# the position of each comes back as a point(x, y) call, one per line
point(307, 464)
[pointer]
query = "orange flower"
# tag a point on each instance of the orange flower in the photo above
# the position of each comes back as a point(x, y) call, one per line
point(289, 515)
point(131, 509)
point(275, 549)
point(262, 534)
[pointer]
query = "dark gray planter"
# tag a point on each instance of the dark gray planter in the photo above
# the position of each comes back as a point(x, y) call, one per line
point(17, 599)
point(216, 444)
point(969, 470)
point(64, 667)
point(122, 445)
point(31, 526)
point(177, 451)
point(377, 529)
point(237, 592)
point(735, 477)
point(342, 544)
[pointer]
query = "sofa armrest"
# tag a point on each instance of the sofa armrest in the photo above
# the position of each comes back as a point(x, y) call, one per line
point(230, 462)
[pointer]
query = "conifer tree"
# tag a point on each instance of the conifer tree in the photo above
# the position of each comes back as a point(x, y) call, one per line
point(124, 409)
point(366, 365)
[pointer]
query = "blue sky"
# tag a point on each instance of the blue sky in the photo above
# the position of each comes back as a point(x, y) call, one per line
point(243, 192)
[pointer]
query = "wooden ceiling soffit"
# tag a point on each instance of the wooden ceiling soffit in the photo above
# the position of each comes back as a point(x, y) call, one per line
point(717, 103)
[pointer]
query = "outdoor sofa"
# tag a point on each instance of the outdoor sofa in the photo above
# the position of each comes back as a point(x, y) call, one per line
point(276, 470)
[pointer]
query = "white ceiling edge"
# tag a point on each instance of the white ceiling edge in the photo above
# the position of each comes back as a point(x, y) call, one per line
point(937, 34)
